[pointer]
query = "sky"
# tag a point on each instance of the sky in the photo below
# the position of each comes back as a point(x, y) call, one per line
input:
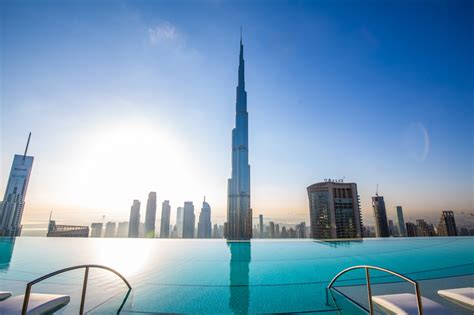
point(127, 97)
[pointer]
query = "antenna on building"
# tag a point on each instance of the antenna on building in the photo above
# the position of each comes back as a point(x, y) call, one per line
point(204, 198)
point(377, 190)
point(27, 144)
point(50, 215)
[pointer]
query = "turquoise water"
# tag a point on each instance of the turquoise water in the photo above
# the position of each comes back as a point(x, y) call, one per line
point(212, 276)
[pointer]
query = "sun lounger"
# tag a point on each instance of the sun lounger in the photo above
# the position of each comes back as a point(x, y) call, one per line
point(461, 296)
point(406, 304)
point(4, 295)
point(38, 304)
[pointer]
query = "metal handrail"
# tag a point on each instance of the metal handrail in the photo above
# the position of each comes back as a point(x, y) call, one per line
point(369, 289)
point(84, 285)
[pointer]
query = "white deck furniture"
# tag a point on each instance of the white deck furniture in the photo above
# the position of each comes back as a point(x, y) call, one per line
point(4, 295)
point(38, 304)
point(405, 304)
point(461, 296)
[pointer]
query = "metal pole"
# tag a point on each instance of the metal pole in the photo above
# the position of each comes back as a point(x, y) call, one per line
point(418, 299)
point(369, 291)
point(26, 299)
point(84, 287)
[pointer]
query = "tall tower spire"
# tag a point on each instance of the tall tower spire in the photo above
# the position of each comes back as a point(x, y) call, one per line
point(27, 144)
point(239, 213)
point(241, 82)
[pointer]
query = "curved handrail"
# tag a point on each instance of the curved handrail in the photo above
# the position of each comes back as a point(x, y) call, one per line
point(86, 274)
point(369, 290)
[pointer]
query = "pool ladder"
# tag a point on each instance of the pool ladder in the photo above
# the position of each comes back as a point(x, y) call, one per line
point(84, 284)
point(369, 289)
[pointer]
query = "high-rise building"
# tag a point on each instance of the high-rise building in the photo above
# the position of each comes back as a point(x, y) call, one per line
point(380, 216)
point(300, 230)
point(260, 220)
point(134, 222)
point(204, 224)
point(401, 222)
point(411, 229)
point(447, 225)
point(179, 222)
point(150, 215)
point(391, 228)
point(334, 210)
point(96, 229)
point(110, 229)
point(188, 220)
point(122, 229)
point(61, 230)
point(165, 219)
point(272, 229)
point(424, 229)
point(239, 213)
point(13, 204)
point(277, 230)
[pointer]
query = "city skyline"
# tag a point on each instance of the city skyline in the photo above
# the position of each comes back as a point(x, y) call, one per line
point(127, 126)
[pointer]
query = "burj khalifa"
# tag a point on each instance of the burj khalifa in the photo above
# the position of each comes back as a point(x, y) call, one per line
point(239, 213)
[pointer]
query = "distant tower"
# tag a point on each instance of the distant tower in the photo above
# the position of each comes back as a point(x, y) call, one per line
point(239, 213)
point(334, 210)
point(110, 229)
point(96, 229)
point(204, 224)
point(179, 222)
point(13, 204)
point(134, 222)
point(150, 215)
point(165, 219)
point(447, 225)
point(188, 220)
point(260, 220)
point(401, 222)
point(380, 216)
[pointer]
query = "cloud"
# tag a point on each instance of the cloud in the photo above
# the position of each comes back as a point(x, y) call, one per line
point(162, 32)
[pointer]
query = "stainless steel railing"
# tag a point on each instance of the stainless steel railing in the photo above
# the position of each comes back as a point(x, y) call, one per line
point(369, 289)
point(84, 284)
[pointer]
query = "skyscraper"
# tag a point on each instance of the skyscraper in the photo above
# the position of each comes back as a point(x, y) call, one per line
point(165, 219)
point(110, 229)
point(272, 229)
point(150, 215)
point(380, 216)
point(239, 213)
point(204, 224)
point(334, 210)
point(13, 204)
point(188, 220)
point(401, 222)
point(179, 222)
point(96, 229)
point(447, 225)
point(391, 227)
point(134, 222)
point(260, 220)
point(122, 229)
point(411, 229)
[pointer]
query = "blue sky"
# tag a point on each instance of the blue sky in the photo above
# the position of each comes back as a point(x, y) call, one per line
point(128, 97)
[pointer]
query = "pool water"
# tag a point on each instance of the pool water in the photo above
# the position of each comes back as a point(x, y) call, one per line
point(215, 276)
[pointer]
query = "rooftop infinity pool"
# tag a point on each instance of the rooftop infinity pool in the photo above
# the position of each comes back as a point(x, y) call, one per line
point(215, 276)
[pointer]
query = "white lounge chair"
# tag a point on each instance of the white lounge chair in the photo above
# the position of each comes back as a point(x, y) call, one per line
point(461, 296)
point(38, 304)
point(4, 295)
point(405, 304)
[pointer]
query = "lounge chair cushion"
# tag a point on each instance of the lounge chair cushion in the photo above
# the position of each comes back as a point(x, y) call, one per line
point(405, 304)
point(38, 304)
point(4, 295)
point(463, 296)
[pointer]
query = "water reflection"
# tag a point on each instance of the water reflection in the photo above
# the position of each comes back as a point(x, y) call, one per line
point(240, 257)
point(7, 244)
point(345, 243)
